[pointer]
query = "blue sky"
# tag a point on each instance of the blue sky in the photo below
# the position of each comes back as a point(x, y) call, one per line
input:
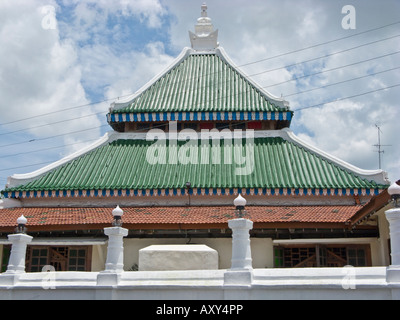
point(101, 50)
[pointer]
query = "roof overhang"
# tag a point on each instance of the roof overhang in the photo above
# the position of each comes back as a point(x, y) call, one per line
point(178, 218)
point(375, 204)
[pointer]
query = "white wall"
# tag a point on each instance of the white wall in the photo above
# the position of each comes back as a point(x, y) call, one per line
point(289, 284)
point(262, 253)
point(261, 248)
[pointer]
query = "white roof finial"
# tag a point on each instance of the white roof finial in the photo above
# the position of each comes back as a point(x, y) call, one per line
point(204, 10)
point(204, 37)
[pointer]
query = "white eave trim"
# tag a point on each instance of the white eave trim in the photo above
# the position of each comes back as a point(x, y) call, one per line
point(278, 101)
point(19, 179)
point(379, 176)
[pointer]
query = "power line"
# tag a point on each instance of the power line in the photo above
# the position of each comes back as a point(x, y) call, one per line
point(252, 75)
point(63, 110)
point(42, 163)
point(216, 99)
point(52, 123)
point(46, 149)
point(55, 136)
point(346, 98)
point(26, 166)
point(84, 105)
point(320, 44)
point(341, 82)
point(333, 69)
point(66, 145)
point(276, 84)
point(325, 56)
point(298, 109)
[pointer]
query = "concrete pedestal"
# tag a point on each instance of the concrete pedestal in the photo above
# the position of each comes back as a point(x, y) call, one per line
point(241, 251)
point(393, 216)
point(393, 271)
point(16, 262)
point(178, 257)
point(115, 257)
point(115, 249)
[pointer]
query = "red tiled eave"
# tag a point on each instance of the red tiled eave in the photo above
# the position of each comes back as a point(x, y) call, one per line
point(48, 219)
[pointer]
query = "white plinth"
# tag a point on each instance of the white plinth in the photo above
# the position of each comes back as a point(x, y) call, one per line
point(393, 216)
point(178, 257)
point(19, 242)
point(241, 250)
point(115, 249)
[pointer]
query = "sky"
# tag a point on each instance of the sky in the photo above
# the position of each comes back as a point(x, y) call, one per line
point(63, 62)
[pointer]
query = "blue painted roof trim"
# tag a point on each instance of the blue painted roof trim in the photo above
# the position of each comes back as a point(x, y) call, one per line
point(199, 116)
point(193, 191)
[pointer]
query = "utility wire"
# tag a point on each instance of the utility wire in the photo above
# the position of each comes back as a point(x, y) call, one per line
point(63, 110)
point(51, 137)
point(292, 94)
point(333, 69)
point(346, 98)
point(276, 84)
point(319, 44)
point(283, 54)
point(324, 56)
point(219, 98)
point(298, 109)
point(341, 82)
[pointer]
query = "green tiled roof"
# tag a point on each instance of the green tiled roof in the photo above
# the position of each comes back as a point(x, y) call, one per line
point(202, 83)
point(122, 165)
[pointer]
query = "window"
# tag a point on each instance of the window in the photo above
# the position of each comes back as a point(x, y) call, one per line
point(356, 257)
point(5, 258)
point(38, 259)
point(77, 259)
point(321, 256)
point(61, 258)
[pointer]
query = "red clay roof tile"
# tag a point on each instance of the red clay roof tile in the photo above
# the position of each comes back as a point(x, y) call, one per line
point(181, 217)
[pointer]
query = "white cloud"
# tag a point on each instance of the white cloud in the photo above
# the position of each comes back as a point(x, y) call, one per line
point(135, 69)
point(39, 72)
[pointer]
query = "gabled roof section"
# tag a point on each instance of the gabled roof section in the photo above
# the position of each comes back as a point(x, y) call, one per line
point(200, 82)
point(119, 165)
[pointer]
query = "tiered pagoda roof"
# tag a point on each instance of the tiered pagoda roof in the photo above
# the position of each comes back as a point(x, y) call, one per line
point(119, 166)
point(201, 86)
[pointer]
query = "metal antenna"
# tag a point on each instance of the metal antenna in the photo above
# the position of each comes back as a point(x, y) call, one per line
point(379, 145)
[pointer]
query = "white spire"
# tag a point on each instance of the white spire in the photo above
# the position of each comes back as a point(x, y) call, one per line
point(204, 37)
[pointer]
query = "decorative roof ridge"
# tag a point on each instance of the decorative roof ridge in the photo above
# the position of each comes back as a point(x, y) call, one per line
point(379, 176)
point(220, 51)
point(122, 103)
